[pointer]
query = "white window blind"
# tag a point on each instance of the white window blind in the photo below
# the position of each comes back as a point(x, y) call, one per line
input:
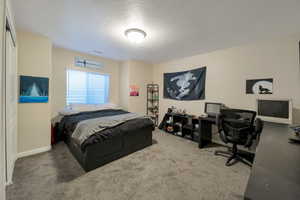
point(87, 87)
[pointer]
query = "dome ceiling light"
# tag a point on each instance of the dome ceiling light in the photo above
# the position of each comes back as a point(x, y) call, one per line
point(135, 35)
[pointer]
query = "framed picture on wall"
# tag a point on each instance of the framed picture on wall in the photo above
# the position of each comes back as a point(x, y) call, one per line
point(134, 91)
point(259, 86)
point(34, 89)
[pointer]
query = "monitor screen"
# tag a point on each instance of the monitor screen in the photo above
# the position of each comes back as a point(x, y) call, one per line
point(213, 109)
point(273, 108)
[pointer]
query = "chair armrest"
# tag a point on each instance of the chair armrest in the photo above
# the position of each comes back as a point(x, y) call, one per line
point(223, 136)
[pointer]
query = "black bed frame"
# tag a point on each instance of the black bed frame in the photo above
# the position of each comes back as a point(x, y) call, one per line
point(99, 154)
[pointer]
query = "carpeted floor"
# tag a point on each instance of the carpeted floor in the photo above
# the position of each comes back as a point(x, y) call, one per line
point(173, 168)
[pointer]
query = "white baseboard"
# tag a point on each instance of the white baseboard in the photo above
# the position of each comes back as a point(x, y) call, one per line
point(8, 183)
point(34, 151)
point(10, 176)
point(25, 154)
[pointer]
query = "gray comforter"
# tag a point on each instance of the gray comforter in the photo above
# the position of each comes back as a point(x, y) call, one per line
point(68, 124)
point(89, 127)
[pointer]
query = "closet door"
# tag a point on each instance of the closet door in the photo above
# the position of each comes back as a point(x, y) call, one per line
point(2, 132)
point(10, 105)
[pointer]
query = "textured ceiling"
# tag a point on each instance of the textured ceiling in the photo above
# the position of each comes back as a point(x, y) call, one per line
point(175, 28)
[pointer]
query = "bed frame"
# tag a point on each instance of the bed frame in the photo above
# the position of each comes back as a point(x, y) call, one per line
point(99, 154)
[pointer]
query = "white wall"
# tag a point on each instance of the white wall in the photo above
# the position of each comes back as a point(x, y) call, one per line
point(228, 69)
point(124, 85)
point(135, 73)
point(64, 59)
point(34, 59)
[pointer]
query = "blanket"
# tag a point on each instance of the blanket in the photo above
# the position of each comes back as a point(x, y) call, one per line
point(89, 127)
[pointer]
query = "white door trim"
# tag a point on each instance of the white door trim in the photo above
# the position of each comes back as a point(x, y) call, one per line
point(2, 136)
point(10, 104)
point(9, 87)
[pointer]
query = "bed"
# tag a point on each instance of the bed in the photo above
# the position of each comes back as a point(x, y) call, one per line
point(115, 133)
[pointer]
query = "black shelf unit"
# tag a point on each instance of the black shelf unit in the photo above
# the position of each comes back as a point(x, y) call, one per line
point(184, 123)
point(153, 102)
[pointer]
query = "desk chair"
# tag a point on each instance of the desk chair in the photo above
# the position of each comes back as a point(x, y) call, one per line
point(237, 127)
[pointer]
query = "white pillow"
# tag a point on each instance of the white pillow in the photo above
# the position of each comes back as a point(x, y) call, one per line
point(107, 106)
point(67, 111)
point(82, 107)
point(93, 107)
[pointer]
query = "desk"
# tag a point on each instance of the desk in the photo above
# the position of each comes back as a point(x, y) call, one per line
point(275, 173)
point(205, 130)
point(276, 169)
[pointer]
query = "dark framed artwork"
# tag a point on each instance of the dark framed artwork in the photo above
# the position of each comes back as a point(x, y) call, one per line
point(34, 89)
point(259, 86)
point(185, 85)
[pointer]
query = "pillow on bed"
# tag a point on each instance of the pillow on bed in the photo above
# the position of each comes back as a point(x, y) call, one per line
point(107, 106)
point(93, 107)
point(83, 107)
point(67, 111)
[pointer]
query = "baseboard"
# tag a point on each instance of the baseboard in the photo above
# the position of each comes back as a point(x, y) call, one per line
point(34, 151)
point(8, 183)
point(10, 176)
point(25, 154)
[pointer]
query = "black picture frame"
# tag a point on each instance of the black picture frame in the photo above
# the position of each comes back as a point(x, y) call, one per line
point(259, 86)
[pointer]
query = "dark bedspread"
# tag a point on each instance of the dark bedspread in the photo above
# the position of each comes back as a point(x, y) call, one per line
point(68, 124)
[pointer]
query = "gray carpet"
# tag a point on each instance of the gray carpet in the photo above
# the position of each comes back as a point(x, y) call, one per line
point(173, 168)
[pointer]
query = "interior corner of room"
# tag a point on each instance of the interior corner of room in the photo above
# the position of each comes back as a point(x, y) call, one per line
point(73, 108)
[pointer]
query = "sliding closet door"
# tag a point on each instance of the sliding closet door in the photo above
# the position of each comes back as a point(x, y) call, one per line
point(10, 105)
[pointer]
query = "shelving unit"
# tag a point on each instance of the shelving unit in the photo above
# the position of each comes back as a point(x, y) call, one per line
point(153, 102)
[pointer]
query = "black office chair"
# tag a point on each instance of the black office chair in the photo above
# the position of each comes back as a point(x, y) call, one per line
point(238, 127)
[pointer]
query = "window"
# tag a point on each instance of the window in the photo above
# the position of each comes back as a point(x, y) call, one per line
point(87, 87)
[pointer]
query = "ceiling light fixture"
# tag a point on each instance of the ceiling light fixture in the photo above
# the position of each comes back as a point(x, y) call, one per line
point(135, 35)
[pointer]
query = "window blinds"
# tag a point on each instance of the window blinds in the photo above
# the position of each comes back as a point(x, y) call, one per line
point(87, 87)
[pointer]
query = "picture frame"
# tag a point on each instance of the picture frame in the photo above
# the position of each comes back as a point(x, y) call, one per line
point(34, 89)
point(259, 86)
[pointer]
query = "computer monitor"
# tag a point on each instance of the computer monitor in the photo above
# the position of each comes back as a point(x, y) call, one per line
point(212, 109)
point(275, 110)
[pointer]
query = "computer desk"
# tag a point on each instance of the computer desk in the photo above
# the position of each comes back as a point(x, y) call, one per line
point(275, 173)
point(276, 169)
